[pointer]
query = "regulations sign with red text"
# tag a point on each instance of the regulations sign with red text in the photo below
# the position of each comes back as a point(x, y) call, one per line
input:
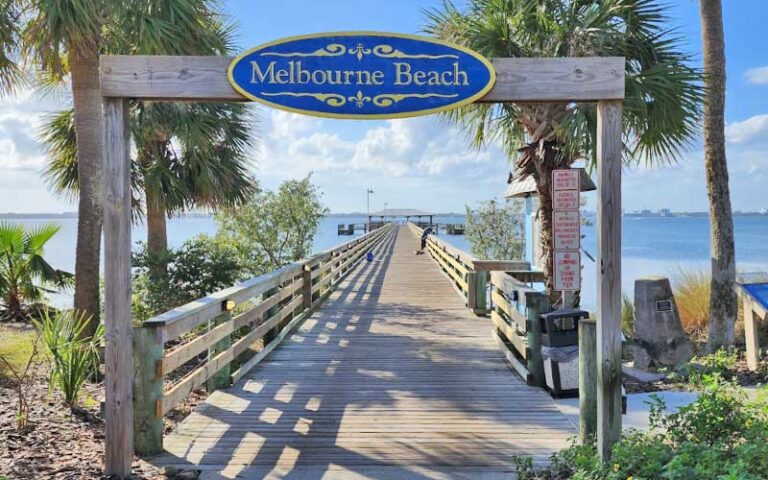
point(566, 229)
point(567, 271)
point(567, 179)
point(565, 200)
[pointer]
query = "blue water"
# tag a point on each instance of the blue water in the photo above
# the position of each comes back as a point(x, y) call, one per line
point(650, 246)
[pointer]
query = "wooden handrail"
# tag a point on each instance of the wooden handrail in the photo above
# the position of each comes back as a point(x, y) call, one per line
point(273, 304)
point(176, 322)
point(469, 260)
point(515, 310)
point(469, 274)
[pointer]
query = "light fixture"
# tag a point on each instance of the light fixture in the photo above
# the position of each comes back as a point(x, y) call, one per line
point(228, 305)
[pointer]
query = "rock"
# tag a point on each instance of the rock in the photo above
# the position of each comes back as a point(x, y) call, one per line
point(642, 375)
point(660, 340)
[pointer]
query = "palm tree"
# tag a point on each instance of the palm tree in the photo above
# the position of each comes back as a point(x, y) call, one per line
point(10, 30)
point(190, 155)
point(187, 156)
point(723, 304)
point(65, 38)
point(661, 107)
point(24, 273)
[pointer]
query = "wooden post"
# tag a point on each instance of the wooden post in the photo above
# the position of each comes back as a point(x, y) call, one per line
point(272, 333)
point(307, 285)
point(750, 333)
point(222, 378)
point(535, 303)
point(118, 411)
point(609, 275)
point(147, 390)
point(472, 290)
point(478, 288)
point(587, 379)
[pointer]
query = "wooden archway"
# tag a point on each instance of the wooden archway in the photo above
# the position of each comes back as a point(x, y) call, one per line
point(165, 78)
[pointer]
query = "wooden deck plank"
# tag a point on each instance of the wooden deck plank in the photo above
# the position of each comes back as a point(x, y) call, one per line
point(392, 377)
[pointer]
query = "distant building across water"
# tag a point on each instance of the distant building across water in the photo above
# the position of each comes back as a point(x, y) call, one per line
point(666, 212)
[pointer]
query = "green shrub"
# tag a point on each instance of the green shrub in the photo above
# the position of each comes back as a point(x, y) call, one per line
point(627, 316)
point(723, 435)
point(495, 230)
point(25, 275)
point(74, 358)
point(201, 266)
point(721, 363)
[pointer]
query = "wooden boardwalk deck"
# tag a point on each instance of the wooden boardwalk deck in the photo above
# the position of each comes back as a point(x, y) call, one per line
point(392, 378)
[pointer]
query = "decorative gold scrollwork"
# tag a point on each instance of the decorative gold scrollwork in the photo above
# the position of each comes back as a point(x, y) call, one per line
point(388, 51)
point(331, 50)
point(331, 99)
point(359, 51)
point(383, 100)
point(388, 99)
point(359, 99)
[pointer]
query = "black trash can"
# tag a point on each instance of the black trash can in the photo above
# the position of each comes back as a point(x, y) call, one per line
point(560, 350)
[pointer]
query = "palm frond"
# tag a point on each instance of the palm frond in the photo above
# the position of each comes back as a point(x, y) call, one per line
point(57, 134)
point(56, 26)
point(38, 236)
point(11, 74)
point(663, 91)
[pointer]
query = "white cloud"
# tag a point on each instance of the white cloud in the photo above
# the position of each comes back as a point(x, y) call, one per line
point(20, 119)
point(390, 150)
point(750, 130)
point(419, 162)
point(757, 76)
point(19, 149)
point(395, 148)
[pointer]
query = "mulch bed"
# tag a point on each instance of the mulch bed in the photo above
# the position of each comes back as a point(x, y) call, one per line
point(740, 374)
point(64, 444)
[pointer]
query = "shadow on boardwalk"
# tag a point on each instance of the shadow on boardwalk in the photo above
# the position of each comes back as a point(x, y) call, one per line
point(392, 378)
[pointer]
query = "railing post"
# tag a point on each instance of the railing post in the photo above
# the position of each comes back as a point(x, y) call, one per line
point(306, 291)
point(472, 291)
point(222, 378)
point(147, 390)
point(587, 379)
point(750, 334)
point(535, 303)
point(481, 293)
point(272, 333)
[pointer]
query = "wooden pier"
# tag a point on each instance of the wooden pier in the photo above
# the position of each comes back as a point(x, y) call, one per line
point(393, 377)
point(284, 298)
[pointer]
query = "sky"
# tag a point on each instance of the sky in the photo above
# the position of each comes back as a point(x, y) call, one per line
point(424, 162)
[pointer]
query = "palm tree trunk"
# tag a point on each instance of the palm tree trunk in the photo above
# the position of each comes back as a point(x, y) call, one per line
point(544, 188)
point(723, 303)
point(86, 98)
point(14, 307)
point(157, 235)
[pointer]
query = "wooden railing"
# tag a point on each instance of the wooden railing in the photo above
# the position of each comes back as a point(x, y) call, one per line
point(515, 312)
point(503, 288)
point(469, 274)
point(227, 328)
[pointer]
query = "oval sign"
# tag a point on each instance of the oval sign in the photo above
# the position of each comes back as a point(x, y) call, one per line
point(364, 75)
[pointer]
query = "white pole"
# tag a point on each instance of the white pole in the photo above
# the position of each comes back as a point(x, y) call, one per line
point(368, 193)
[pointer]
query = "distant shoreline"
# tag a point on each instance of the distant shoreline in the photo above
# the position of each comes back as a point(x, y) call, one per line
point(73, 215)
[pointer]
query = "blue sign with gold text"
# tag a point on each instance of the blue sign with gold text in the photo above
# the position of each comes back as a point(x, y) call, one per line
point(362, 75)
